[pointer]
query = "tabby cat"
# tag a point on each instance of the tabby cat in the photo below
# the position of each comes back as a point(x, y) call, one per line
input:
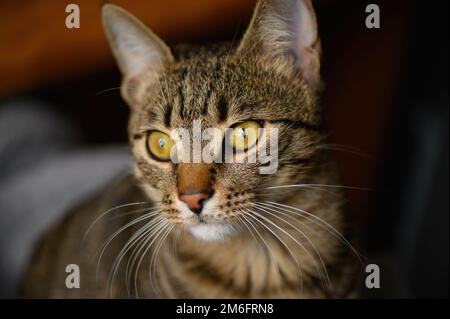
point(212, 230)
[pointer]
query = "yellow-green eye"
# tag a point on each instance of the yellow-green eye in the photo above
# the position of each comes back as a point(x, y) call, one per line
point(159, 145)
point(244, 135)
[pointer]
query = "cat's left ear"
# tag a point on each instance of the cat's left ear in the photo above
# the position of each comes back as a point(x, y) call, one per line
point(286, 30)
point(139, 53)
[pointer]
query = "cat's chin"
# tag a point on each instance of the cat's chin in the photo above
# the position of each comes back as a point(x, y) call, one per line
point(212, 231)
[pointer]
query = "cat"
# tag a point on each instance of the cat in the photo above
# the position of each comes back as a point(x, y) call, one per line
point(212, 230)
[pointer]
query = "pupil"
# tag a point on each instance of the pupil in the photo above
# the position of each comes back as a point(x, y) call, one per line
point(243, 132)
point(162, 142)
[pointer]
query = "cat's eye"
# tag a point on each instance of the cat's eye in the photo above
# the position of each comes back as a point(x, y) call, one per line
point(244, 135)
point(159, 145)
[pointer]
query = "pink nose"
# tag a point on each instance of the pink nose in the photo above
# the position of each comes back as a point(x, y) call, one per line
point(195, 201)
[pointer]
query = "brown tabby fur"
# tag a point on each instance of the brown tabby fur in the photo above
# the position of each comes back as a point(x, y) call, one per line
point(221, 85)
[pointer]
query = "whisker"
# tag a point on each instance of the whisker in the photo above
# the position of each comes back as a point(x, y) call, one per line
point(177, 239)
point(116, 233)
point(160, 230)
point(128, 87)
point(345, 148)
point(108, 90)
point(282, 242)
point(242, 221)
point(151, 233)
point(133, 212)
point(232, 43)
point(154, 259)
point(322, 263)
point(318, 221)
point(321, 185)
point(108, 212)
point(138, 236)
point(136, 240)
point(284, 190)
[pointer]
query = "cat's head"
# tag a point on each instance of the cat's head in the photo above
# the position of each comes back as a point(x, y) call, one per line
point(268, 80)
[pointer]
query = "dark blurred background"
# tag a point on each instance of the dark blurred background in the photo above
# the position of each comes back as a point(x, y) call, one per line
point(385, 103)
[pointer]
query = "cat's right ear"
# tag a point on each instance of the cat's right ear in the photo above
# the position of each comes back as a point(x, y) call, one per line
point(285, 33)
point(139, 53)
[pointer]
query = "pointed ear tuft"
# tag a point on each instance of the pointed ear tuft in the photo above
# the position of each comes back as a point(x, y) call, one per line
point(283, 29)
point(138, 51)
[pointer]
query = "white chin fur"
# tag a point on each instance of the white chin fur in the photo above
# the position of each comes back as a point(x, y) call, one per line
point(211, 231)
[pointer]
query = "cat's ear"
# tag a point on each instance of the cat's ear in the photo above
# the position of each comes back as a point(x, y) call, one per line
point(286, 29)
point(139, 53)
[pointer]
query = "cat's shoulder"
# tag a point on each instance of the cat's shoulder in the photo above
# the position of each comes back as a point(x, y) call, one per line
point(67, 242)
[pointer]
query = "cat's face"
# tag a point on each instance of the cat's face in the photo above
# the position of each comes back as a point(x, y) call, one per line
point(267, 82)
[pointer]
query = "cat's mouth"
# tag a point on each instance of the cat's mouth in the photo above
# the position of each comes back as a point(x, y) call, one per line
point(212, 230)
point(217, 220)
point(210, 225)
point(201, 219)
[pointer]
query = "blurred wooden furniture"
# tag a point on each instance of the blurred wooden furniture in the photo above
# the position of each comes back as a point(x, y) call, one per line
point(36, 47)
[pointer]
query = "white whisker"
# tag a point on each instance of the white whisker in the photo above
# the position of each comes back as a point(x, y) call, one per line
point(318, 221)
point(320, 185)
point(151, 233)
point(322, 263)
point(116, 233)
point(154, 258)
point(345, 148)
point(136, 238)
point(282, 242)
point(110, 211)
point(158, 232)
